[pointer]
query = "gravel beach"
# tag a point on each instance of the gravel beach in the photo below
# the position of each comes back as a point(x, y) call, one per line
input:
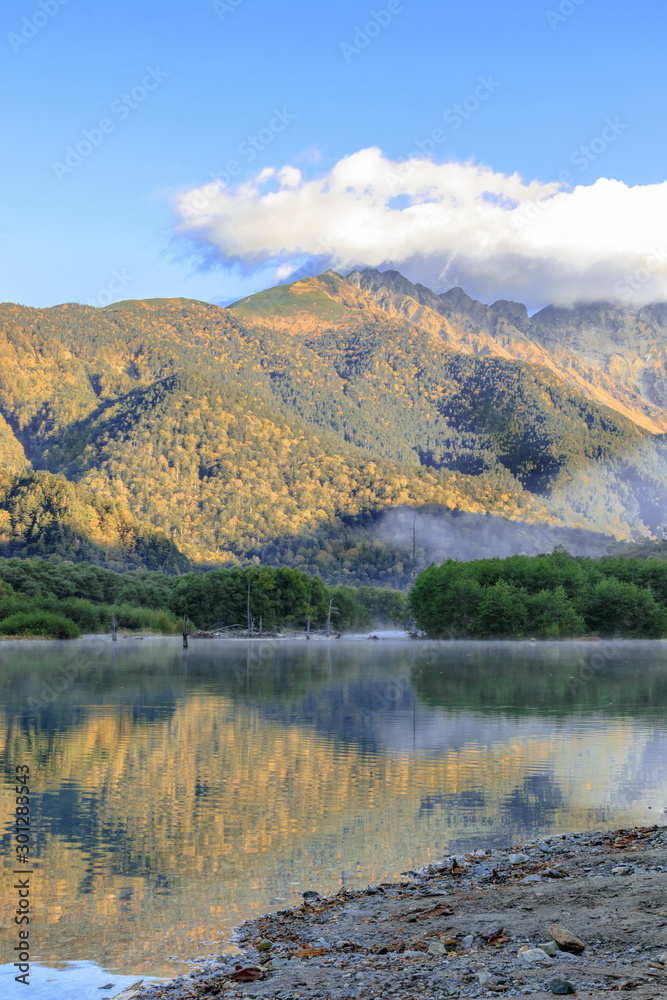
point(580, 913)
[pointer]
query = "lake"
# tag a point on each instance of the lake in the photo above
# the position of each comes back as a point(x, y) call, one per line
point(176, 794)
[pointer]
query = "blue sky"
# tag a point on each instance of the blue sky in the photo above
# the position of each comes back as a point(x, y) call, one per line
point(185, 89)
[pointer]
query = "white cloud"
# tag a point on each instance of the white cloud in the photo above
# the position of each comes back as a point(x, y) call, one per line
point(284, 272)
point(444, 224)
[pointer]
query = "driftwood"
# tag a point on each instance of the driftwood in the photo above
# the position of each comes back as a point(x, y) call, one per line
point(238, 632)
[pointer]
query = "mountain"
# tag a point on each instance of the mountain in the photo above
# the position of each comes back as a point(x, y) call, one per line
point(287, 427)
point(497, 383)
point(614, 356)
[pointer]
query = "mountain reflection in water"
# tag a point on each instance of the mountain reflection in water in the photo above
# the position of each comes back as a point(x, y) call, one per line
point(176, 797)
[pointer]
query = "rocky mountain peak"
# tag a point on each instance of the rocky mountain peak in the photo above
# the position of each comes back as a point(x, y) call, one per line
point(514, 312)
point(457, 302)
point(399, 287)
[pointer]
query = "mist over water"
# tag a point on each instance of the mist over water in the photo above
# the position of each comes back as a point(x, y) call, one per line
point(441, 535)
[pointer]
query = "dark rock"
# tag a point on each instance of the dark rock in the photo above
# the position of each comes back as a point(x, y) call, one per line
point(491, 932)
point(561, 987)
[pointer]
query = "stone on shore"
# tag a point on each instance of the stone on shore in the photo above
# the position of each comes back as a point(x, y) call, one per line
point(550, 947)
point(565, 940)
point(561, 987)
point(533, 956)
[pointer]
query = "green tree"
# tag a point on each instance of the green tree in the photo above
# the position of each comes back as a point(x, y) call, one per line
point(502, 612)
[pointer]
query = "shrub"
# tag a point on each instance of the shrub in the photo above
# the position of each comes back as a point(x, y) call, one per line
point(139, 619)
point(132, 618)
point(166, 623)
point(41, 623)
point(88, 616)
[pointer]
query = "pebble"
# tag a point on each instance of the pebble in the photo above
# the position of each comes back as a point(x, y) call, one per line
point(495, 930)
point(518, 859)
point(532, 956)
point(531, 878)
point(550, 947)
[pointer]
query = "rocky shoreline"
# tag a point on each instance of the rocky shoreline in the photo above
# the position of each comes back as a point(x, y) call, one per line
point(579, 913)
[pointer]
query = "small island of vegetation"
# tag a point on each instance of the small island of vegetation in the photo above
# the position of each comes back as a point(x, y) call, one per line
point(553, 596)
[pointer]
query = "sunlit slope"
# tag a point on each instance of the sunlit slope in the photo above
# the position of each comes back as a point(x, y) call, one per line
point(614, 357)
point(43, 513)
point(525, 415)
point(235, 430)
point(209, 453)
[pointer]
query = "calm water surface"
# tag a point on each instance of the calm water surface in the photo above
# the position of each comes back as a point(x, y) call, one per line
point(175, 797)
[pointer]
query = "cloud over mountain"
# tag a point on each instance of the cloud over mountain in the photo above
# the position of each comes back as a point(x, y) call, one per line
point(443, 224)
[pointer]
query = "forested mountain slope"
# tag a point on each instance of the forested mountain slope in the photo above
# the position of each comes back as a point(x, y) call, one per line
point(281, 429)
point(613, 355)
point(596, 465)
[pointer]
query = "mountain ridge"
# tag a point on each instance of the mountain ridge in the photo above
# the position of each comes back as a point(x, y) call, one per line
point(502, 329)
point(282, 426)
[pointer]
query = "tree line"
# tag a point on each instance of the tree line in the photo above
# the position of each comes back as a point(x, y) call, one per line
point(548, 596)
point(65, 600)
